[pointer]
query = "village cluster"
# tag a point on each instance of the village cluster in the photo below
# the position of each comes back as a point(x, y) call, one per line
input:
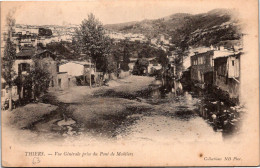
point(216, 66)
point(64, 73)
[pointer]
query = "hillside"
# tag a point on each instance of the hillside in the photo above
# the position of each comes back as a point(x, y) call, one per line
point(211, 28)
point(150, 28)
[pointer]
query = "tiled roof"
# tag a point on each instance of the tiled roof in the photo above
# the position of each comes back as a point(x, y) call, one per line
point(221, 54)
point(26, 53)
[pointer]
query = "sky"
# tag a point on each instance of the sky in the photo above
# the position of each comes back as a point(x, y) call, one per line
point(108, 12)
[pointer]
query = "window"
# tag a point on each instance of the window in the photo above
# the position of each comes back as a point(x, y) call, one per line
point(52, 83)
point(212, 62)
point(233, 63)
point(200, 60)
point(59, 82)
point(25, 67)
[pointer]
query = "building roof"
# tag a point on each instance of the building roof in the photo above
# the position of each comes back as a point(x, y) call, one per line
point(133, 59)
point(207, 53)
point(76, 62)
point(28, 52)
point(40, 52)
point(82, 62)
point(219, 54)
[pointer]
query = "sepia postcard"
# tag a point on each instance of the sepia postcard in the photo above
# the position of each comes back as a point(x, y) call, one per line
point(129, 83)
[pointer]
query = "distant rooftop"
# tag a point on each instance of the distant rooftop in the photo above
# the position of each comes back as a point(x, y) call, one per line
point(28, 52)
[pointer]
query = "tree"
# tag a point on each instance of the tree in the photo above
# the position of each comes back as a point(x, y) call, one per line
point(141, 66)
point(162, 58)
point(38, 79)
point(126, 57)
point(9, 57)
point(110, 65)
point(121, 54)
point(144, 53)
point(91, 39)
point(116, 51)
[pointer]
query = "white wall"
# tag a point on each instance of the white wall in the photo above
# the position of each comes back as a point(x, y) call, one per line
point(131, 66)
point(73, 69)
point(233, 70)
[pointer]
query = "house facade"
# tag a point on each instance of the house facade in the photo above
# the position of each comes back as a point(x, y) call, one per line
point(227, 74)
point(201, 67)
point(22, 66)
point(24, 63)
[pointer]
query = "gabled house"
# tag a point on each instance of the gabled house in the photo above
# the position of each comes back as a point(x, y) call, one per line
point(45, 58)
point(24, 62)
point(22, 67)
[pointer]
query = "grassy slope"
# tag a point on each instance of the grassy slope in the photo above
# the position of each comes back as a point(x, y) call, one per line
point(181, 26)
